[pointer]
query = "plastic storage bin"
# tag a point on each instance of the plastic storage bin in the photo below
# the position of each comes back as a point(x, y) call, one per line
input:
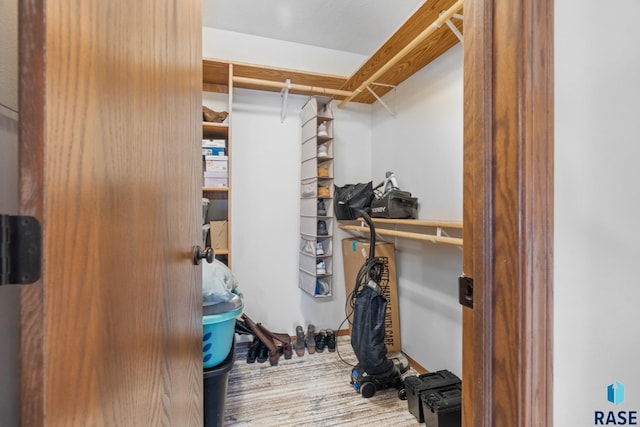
point(216, 380)
point(217, 338)
point(416, 385)
point(442, 406)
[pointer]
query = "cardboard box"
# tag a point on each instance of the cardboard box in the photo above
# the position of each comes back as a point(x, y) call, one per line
point(215, 179)
point(214, 143)
point(213, 151)
point(216, 163)
point(219, 234)
point(355, 253)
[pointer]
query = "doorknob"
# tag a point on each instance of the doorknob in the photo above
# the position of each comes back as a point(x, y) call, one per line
point(199, 254)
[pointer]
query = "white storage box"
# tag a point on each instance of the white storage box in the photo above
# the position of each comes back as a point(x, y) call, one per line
point(215, 179)
point(216, 163)
point(214, 143)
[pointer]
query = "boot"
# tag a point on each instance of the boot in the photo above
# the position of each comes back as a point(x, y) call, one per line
point(252, 353)
point(285, 339)
point(274, 355)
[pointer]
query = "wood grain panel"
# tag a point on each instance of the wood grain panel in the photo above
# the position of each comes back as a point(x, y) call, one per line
point(435, 45)
point(31, 67)
point(118, 308)
point(509, 212)
point(477, 333)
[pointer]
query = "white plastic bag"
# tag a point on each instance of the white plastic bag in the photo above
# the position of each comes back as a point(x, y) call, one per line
point(219, 286)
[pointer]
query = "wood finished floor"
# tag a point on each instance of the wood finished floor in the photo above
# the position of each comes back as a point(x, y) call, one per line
point(313, 390)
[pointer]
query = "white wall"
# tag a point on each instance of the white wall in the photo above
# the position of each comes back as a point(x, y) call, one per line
point(597, 206)
point(265, 207)
point(228, 45)
point(9, 54)
point(9, 295)
point(423, 146)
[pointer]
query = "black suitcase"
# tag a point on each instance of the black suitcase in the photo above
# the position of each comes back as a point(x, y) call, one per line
point(396, 204)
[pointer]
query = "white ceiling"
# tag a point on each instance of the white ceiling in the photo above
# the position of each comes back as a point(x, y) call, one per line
point(358, 26)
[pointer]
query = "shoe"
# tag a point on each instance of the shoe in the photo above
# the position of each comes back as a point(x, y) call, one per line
point(319, 248)
point(322, 287)
point(299, 344)
point(263, 352)
point(322, 129)
point(310, 340)
point(321, 341)
point(252, 353)
point(322, 228)
point(322, 208)
point(287, 350)
point(323, 191)
point(323, 171)
point(271, 349)
point(284, 339)
point(331, 340)
point(323, 151)
point(321, 267)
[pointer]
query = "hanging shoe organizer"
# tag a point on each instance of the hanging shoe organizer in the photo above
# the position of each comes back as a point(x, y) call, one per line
point(316, 198)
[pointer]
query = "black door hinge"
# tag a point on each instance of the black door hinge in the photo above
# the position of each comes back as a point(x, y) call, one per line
point(465, 291)
point(20, 249)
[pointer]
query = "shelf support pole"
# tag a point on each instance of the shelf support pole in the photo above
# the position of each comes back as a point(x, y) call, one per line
point(393, 113)
point(284, 94)
point(455, 30)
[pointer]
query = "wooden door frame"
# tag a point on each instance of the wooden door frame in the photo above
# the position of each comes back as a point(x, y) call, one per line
point(508, 212)
point(31, 51)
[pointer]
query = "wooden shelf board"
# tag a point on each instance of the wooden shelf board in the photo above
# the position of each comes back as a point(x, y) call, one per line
point(423, 54)
point(215, 130)
point(357, 225)
point(418, 222)
point(216, 73)
point(215, 189)
point(221, 251)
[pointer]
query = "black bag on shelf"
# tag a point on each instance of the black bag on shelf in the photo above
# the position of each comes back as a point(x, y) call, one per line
point(351, 197)
point(396, 204)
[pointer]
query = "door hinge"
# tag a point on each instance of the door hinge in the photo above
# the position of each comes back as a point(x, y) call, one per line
point(465, 291)
point(20, 249)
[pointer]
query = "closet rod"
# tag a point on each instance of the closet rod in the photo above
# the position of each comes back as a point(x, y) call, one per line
point(293, 86)
point(405, 50)
point(456, 241)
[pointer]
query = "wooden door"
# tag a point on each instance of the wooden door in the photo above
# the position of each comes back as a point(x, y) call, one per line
point(110, 98)
point(508, 212)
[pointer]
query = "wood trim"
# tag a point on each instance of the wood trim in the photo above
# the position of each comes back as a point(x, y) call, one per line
point(31, 95)
point(229, 166)
point(476, 331)
point(508, 198)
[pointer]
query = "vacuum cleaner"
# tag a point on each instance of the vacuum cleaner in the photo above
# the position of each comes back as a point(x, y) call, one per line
point(374, 370)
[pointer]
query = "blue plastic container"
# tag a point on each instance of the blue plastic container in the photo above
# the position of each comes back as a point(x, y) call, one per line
point(217, 338)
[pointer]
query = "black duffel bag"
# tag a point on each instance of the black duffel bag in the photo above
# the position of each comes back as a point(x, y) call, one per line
point(396, 204)
point(351, 197)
